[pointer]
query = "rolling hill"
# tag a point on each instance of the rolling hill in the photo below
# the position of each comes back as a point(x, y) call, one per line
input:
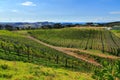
point(69, 53)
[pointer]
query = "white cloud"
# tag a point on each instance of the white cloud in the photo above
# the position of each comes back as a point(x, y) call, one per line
point(14, 11)
point(115, 12)
point(28, 3)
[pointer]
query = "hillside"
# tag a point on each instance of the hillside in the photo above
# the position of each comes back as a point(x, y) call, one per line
point(59, 50)
point(87, 39)
point(59, 39)
point(16, 46)
point(96, 45)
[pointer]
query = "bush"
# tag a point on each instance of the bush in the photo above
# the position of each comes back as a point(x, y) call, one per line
point(4, 66)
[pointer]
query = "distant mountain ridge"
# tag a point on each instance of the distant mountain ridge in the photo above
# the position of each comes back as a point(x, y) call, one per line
point(26, 24)
point(40, 24)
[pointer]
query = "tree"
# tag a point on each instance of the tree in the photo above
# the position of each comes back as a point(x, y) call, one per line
point(89, 24)
point(9, 27)
point(1, 27)
point(47, 27)
point(17, 28)
point(57, 25)
point(29, 27)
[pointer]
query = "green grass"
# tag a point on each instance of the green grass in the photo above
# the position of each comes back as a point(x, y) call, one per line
point(116, 32)
point(14, 70)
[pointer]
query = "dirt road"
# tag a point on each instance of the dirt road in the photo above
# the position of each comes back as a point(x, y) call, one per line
point(71, 51)
point(66, 51)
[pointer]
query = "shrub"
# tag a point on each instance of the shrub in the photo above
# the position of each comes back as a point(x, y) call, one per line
point(4, 66)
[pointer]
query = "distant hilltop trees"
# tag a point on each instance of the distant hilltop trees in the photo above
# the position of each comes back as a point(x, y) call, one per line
point(113, 24)
point(51, 25)
point(7, 27)
point(44, 25)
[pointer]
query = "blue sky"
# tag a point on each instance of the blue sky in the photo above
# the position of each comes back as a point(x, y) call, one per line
point(59, 10)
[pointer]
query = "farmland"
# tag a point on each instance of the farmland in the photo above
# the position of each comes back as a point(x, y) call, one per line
point(93, 44)
point(18, 47)
point(87, 39)
point(97, 44)
point(80, 51)
point(59, 39)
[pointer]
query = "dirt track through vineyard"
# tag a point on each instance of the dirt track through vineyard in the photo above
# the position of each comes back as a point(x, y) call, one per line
point(68, 52)
point(92, 53)
point(71, 51)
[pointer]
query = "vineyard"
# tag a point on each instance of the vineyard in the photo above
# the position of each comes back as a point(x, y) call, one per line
point(87, 39)
point(21, 46)
point(17, 47)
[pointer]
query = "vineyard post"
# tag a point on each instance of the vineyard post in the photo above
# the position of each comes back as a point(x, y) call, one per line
point(57, 57)
point(28, 52)
point(102, 42)
point(32, 55)
point(66, 62)
point(16, 48)
point(118, 52)
point(72, 63)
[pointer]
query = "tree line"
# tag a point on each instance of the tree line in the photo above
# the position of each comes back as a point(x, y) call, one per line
point(54, 26)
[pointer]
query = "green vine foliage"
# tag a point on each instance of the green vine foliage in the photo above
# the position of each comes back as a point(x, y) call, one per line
point(108, 72)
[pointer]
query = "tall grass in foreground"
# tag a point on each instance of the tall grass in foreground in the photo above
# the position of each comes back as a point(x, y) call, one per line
point(13, 70)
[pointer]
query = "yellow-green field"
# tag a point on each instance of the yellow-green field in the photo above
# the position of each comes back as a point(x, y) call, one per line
point(116, 32)
point(13, 70)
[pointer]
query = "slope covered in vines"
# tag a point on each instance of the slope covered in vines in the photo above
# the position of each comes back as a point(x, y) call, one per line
point(14, 47)
point(87, 39)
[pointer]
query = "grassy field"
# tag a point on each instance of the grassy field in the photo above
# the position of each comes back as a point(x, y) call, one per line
point(14, 70)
